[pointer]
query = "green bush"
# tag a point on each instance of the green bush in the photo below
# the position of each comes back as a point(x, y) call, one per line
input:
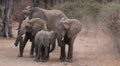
point(110, 16)
point(79, 10)
point(114, 6)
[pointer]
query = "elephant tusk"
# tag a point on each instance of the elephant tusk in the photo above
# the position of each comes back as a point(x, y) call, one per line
point(27, 18)
point(23, 35)
point(62, 38)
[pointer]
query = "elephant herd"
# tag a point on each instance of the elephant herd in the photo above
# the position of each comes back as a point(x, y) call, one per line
point(43, 27)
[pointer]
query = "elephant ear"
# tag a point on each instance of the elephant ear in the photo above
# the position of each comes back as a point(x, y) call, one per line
point(37, 24)
point(66, 24)
point(73, 27)
point(24, 26)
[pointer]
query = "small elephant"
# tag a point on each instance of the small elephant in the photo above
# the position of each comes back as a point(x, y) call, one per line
point(30, 28)
point(43, 40)
point(67, 31)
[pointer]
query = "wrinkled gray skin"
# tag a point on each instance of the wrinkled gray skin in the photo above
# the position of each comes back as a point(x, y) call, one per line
point(67, 31)
point(51, 17)
point(31, 27)
point(43, 40)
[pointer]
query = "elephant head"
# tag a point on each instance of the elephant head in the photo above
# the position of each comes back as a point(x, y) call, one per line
point(31, 26)
point(33, 12)
point(69, 28)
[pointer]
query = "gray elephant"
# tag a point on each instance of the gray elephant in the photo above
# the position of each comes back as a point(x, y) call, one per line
point(43, 40)
point(51, 17)
point(67, 31)
point(31, 27)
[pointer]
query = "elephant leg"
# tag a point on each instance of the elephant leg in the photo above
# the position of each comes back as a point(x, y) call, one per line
point(43, 53)
point(70, 49)
point(32, 49)
point(63, 55)
point(38, 55)
point(36, 51)
point(70, 53)
point(46, 53)
point(22, 46)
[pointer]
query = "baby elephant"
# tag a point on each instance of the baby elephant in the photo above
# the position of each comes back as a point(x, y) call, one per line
point(43, 40)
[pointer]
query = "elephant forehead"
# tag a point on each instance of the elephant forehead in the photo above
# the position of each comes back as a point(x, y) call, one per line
point(24, 24)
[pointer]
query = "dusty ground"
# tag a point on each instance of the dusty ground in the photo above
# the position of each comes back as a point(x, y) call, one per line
point(92, 47)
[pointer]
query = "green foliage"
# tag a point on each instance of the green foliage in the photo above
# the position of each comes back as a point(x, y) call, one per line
point(114, 6)
point(80, 10)
point(110, 16)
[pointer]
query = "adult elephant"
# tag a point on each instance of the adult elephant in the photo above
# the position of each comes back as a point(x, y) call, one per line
point(51, 17)
point(67, 31)
point(43, 40)
point(31, 27)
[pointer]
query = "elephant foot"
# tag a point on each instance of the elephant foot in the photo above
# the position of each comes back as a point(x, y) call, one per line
point(69, 60)
point(31, 56)
point(20, 55)
point(36, 60)
point(31, 53)
point(45, 60)
point(16, 44)
point(62, 59)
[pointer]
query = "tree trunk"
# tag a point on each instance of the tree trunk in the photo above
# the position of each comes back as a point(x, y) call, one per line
point(8, 18)
point(36, 3)
point(2, 7)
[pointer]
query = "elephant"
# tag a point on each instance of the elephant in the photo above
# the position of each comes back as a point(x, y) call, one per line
point(67, 31)
point(43, 40)
point(51, 18)
point(30, 28)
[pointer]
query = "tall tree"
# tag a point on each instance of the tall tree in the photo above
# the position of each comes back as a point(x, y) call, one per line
point(7, 19)
point(47, 3)
point(36, 3)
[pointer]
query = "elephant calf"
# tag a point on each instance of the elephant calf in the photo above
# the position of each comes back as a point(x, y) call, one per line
point(67, 31)
point(43, 40)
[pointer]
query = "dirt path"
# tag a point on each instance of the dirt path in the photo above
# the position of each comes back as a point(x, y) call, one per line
point(91, 48)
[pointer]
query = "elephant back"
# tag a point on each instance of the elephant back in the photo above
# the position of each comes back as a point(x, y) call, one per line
point(42, 38)
point(38, 13)
point(53, 17)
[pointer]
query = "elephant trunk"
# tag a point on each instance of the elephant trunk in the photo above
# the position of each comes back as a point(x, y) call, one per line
point(19, 38)
point(46, 52)
point(53, 46)
point(60, 40)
